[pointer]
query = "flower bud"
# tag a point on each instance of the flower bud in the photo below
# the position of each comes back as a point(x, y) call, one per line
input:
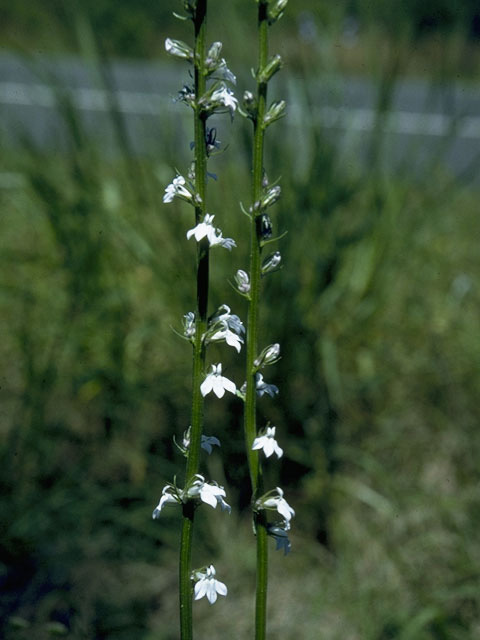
point(264, 226)
point(270, 69)
point(178, 49)
point(243, 281)
point(190, 6)
point(189, 325)
point(275, 112)
point(216, 66)
point(270, 197)
point(272, 263)
point(212, 55)
point(269, 355)
point(275, 10)
point(249, 104)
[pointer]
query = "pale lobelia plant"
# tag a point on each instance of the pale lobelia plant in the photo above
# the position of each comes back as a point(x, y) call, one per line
point(261, 443)
point(209, 94)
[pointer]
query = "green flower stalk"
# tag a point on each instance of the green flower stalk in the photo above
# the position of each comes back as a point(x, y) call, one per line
point(208, 95)
point(263, 196)
point(200, 167)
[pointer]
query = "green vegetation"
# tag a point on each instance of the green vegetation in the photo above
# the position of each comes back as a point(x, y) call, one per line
point(432, 35)
point(379, 396)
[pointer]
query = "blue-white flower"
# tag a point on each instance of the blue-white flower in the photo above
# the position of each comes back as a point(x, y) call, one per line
point(278, 531)
point(224, 97)
point(225, 326)
point(218, 239)
point(205, 229)
point(177, 189)
point(264, 388)
point(274, 501)
point(208, 442)
point(230, 337)
point(211, 494)
point(218, 99)
point(207, 585)
point(198, 489)
point(217, 383)
point(266, 441)
point(224, 314)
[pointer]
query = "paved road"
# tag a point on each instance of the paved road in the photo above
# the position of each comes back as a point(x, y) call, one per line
point(426, 123)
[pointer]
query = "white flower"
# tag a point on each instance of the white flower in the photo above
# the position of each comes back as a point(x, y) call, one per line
point(225, 97)
point(267, 442)
point(208, 585)
point(211, 494)
point(263, 387)
point(275, 501)
point(230, 338)
point(205, 229)
point(208, 442)
point(217, 383)
point(170, 495)
point(177, 188)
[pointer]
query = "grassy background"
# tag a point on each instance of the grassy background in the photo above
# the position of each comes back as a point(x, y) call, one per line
point(376, 310)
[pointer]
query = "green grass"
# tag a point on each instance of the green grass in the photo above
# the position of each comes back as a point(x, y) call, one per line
point(377, 314)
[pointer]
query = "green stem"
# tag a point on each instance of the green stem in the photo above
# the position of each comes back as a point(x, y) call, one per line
point(186, 630)
point(252, 331)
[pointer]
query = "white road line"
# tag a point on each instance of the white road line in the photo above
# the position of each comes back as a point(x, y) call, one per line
point(151, 104)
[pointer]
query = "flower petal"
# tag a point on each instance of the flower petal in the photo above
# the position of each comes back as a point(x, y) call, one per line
point(207, 384)
point(229, 385)
point(201, 588)
point(219, 387)
point(221, 588)
point(211, 592)
point(208, 496)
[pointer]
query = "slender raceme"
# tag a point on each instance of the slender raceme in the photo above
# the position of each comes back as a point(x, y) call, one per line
point(252, 346)
point(200, 164)
point(263, 196)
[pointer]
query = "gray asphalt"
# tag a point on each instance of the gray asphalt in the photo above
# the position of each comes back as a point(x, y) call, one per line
point(427, 123)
